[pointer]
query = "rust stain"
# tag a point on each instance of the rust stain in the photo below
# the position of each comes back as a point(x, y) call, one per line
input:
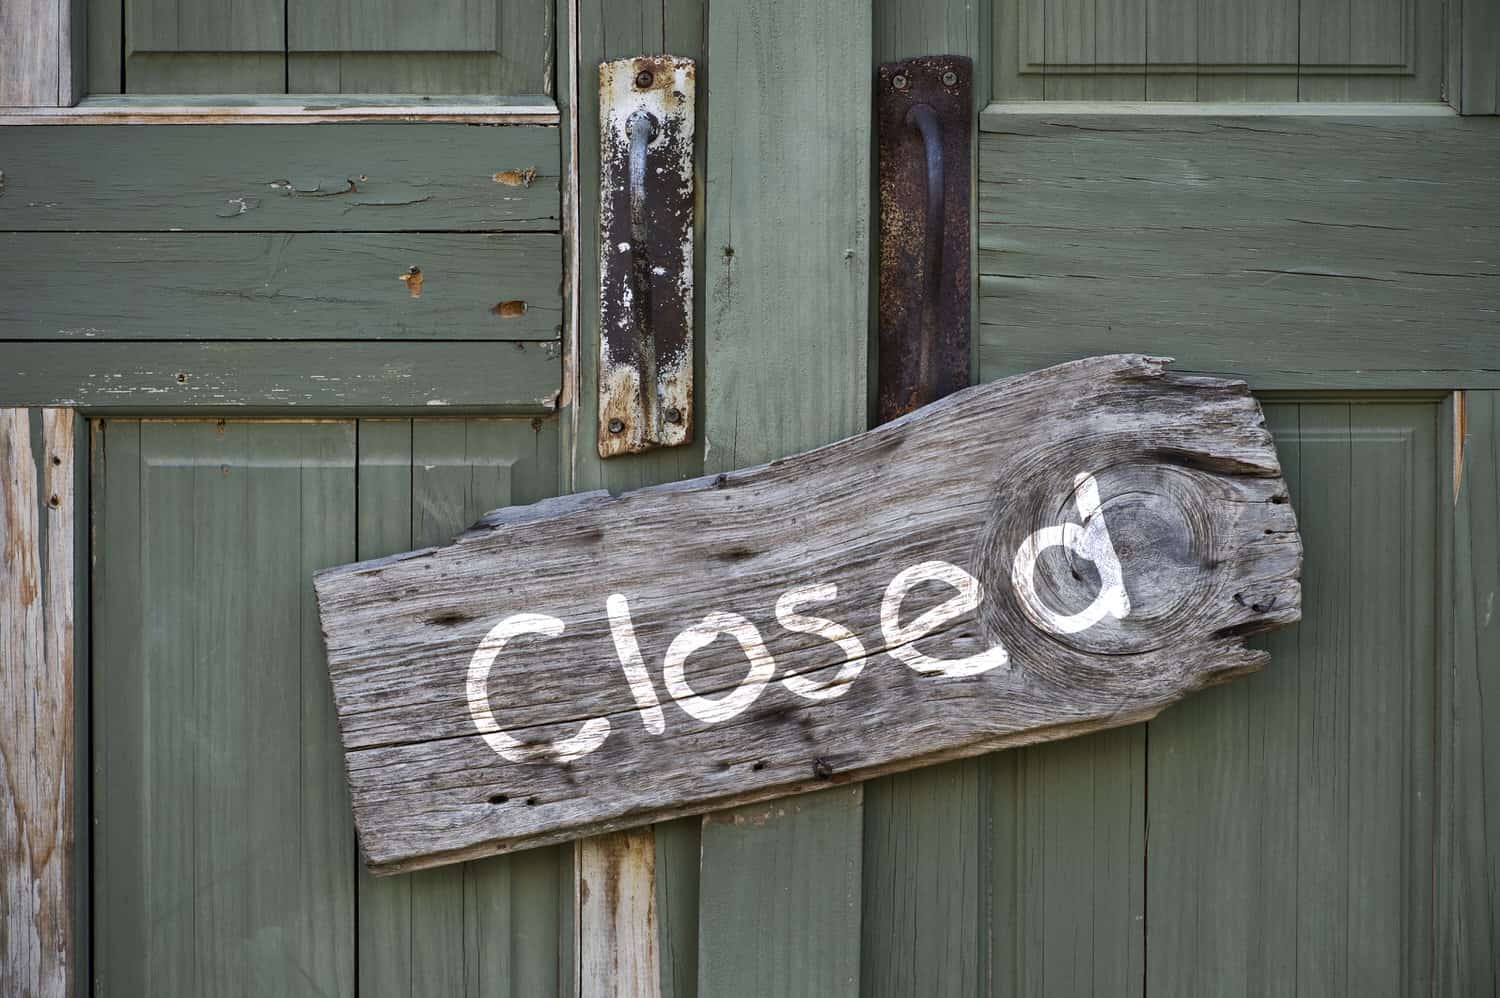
point(516, 178)
point(512, 309)
point(413, 280)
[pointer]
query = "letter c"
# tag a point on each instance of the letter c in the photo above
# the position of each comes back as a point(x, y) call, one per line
point(589, 737)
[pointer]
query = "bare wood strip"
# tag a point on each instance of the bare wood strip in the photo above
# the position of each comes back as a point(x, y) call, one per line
point(617, 903)
point(36, 702)
point(580, 728)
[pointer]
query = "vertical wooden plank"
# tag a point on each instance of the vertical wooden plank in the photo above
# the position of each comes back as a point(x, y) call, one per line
point(921, 920)
point(1397, 478)
point(1479, 57)
point(383, 525)
point(1322, 724)
point(608, 30)
point(36, 54)
point(38, 522)
point(105, 20)
point(786, 286)
point(1468, 867)
point(617, 901)
point(119, 762)
point(1068, 826)
point(1011, 33)
point(781, 897)
point(490, 927)
point(788, 228)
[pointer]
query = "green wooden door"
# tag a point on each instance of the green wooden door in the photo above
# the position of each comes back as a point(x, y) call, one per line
point(268, 397)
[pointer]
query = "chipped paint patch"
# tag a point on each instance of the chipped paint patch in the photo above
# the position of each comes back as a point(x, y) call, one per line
point(413, 281)
point(516, 178)
point(238, 206)
point(512, 309)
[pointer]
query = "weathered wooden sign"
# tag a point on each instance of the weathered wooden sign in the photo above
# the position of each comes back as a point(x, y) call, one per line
point(1026, 560)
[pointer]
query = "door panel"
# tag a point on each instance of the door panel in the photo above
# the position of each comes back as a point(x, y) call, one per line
point(223, 845)
point(493, 47)
point(224, 855)
point(1237, 50)
point(1291, 814)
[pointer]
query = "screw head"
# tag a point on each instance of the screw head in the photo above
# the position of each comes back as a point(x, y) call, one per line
point(900, 82)
point(674, 415)
point(644, 79)
point(950, 78)
point(616, 426)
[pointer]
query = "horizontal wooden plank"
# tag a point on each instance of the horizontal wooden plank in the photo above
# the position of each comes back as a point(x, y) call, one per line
point(1287, 251)
point(288, 178)
point(459, 747)
point(289, 109)
point(306, 286)
point(313, 376)
point(993, 117)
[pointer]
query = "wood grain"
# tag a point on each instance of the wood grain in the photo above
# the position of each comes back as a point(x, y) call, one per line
point(101, 108)
point(617, 895)
point(785, 873)
point(786, 279)
point(488, 927)
point(1474, 56)
point(1292, 815)
point(608, 30)
point(304, 286)
point(38, 519)
point(310, 376)
point(1468, 866)
point(41, 53)
point(354, 46)
point(1273, 248)
point(1175, 50)
point(970, 478)
point(379, 177)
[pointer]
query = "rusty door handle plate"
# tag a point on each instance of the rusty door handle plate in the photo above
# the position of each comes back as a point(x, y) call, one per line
point(645, 254)
point(924, 123)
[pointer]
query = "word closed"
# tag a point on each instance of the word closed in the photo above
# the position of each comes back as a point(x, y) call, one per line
point(1024, 560)
point(1088, 541)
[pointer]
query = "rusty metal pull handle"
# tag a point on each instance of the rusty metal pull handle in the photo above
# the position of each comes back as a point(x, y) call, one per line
point(924, 123)
point(925, 120)
point(642, 128)
point(645, 254)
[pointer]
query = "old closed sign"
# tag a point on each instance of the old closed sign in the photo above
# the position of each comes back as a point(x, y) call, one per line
point(1064, 551)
